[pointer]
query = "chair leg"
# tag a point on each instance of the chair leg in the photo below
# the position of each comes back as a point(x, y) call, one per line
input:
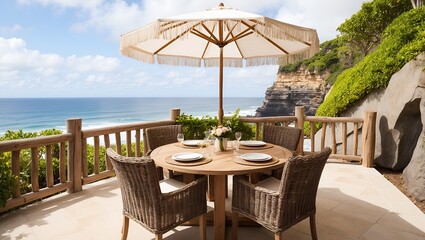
point(235, 223)
point(160, 173)
point(124, 230)
point(203, 226)
point(158, 236)
point(278, 236)
point(313, 227)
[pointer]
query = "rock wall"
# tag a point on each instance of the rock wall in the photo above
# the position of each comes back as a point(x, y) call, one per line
point(400, 138)
point(293, 89)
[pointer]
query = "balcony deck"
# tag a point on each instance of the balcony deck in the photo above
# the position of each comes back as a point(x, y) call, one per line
point(353, 202)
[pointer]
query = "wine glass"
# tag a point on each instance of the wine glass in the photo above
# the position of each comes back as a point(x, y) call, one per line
point(235, 148)
point(238, 136)
point(180, 138)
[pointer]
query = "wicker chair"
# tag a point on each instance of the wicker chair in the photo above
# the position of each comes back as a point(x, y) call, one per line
point(279, 204)
point(159, 206)
point(159, 136)
point(287, 137)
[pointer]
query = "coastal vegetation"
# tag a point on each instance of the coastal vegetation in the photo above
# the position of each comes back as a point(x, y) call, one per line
point(374, 44)
point(195, 127)
point(402, 40)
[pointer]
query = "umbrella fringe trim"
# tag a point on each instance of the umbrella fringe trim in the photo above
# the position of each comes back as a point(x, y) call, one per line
point(269, 28)
point(138, 55)
point(179, 61)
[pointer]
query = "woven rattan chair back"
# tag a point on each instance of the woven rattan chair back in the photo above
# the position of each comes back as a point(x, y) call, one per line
point(287, 137)
point(144, 202)
point(299, 185)
point(294, 201)
point(159, 136)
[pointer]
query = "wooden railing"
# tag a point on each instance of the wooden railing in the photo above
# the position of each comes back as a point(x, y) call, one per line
point(73, 149)
point(365, 128)
point(73, 159)
point(16, 146)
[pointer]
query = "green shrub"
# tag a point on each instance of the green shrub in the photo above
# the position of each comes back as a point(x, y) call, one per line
point(7, 182)
point(403, 40)
point(195, 128)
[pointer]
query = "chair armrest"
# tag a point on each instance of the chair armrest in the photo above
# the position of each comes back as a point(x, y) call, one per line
point(247, 197)
point(242, 183)
point(188, 201)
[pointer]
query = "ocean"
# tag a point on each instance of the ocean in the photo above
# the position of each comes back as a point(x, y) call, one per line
point(36, 114)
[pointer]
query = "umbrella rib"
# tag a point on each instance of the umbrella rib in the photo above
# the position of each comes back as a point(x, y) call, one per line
point(230, 30)
point(268, 39)
point(233, 37)
point(290, 35)
point(174, 39)
point(239, 36)
point(203, 36)
point(208, 43)
point(209, 31)
point(171, 26)
point(242, 34)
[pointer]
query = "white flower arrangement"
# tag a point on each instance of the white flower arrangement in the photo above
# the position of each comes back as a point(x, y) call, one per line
point(221, 131)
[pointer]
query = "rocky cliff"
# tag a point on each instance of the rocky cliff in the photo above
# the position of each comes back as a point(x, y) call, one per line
point(294, 89)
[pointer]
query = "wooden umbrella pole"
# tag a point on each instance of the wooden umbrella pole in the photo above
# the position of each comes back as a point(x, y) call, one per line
point(220, 94)
point(220, 86)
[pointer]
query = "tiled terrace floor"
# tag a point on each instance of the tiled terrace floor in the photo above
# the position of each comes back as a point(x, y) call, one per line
point(353, 203)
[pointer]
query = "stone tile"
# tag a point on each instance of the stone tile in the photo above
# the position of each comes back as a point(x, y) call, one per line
point(353, 203)
point(408, 223)
point(379, 231)
point(341, 224)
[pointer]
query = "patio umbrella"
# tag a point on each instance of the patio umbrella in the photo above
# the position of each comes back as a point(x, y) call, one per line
point(220, 37)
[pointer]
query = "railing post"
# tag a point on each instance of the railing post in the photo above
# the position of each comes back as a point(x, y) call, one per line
point(174, 113)
point(300, 115)
point(73, 126)
point(368, 139)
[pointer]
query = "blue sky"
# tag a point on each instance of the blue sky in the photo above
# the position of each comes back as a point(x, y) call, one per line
point(70, 48)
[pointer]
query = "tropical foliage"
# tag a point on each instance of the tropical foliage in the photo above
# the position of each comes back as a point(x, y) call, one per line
point(8, 181)
point(363, 31)
point(403, 40)
point(195, 127)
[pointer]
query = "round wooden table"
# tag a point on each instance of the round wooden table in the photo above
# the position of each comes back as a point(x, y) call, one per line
point(221, 165)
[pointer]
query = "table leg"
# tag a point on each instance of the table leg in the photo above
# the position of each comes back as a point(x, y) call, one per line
point(219, 206)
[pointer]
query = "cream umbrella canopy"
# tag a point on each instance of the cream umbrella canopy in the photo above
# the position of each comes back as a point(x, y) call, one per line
point(220, 37)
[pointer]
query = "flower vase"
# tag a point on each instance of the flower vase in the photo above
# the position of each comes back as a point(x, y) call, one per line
point(220, 144)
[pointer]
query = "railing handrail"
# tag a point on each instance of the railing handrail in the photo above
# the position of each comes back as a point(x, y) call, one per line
point(334, 119)
point(19, 144)
point(268, 119)
point(123, 128)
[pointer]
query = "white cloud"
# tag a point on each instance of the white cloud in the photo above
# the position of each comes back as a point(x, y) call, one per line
point(10, 29)
point(64, 3)
point(22, 66)
point(15, 56)
point(118, 16)
point(114, 18)
point(324, 15)
point(92, 63)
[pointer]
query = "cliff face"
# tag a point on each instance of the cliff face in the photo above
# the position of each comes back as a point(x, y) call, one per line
point(294, 89)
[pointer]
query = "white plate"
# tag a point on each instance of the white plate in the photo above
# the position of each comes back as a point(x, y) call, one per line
point(253, 143)
point(187, 156)
point(256, 157)
point(191, 142)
